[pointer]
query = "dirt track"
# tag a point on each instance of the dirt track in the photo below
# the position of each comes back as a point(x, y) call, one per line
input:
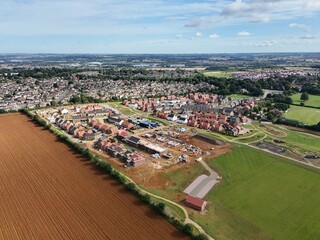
point(49, 192)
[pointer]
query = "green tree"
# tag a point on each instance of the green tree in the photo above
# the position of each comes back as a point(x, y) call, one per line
point(53, 103)
point(304, 97)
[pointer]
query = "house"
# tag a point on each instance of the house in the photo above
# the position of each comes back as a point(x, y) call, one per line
point(64, 111)
point(133, 140)
point(80, 134)
point(217, 127)
point(132, 105)
point(69, 127)
point(115, 150)
point(97, 125)
point(244, 119)
point(122, 133)
point(112, 130)
point(162, 115)
point(104, 144)
point(192, 123)
point(97, 144)
point(172, 117)
point(135, 160)
point(145, 124)
point(88, 136)
point(196, 203)
point(75, 132)
point(72, 130)
point(183, 119)
point(204, 125)
point(115, 120)
point(127, 125)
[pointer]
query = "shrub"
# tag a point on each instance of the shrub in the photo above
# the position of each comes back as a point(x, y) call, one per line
point(188, 228)
point(202, 236)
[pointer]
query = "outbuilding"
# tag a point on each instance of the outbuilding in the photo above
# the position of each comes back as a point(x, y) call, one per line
point(196, 203)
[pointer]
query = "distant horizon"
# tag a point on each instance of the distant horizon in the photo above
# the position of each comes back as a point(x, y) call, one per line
point(218, 53)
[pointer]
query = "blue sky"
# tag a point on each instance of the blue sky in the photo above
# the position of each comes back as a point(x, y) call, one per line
point(159, 26)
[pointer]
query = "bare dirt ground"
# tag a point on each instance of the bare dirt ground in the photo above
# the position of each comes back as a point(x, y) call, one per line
point(49, 192)
point(151, 178)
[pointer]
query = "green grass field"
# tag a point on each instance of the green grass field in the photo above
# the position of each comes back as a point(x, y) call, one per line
point(218, 74)
point(239, 96)
point(303, 114)
point(262, 197)
point(314, 100)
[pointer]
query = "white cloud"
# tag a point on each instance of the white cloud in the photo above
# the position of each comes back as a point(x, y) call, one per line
point(198, 34)
point(244, 34)
point(179, 36)
point(214, 36)
point(266, 10)
point(313, 5)
point(299, 25)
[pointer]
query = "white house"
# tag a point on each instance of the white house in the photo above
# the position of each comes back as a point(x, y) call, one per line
point(64, 111)
point(172, 117)
point(183, 119)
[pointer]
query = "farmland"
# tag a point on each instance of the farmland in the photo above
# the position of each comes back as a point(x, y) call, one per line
point(262, 197)
point(303, 114)
point(50, 192)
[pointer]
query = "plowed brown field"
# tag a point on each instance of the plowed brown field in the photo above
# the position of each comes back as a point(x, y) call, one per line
point(49, 192)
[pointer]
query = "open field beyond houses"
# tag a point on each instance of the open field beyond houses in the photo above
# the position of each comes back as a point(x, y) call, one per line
point(49, 192)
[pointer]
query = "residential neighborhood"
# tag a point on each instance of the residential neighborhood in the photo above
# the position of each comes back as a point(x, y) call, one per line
point(31, 93)
point(206, 111)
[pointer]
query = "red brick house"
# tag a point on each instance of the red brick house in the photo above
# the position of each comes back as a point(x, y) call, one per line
point(204, 125)
point(127, 125)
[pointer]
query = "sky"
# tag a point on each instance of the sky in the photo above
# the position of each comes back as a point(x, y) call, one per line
point(159, 26)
